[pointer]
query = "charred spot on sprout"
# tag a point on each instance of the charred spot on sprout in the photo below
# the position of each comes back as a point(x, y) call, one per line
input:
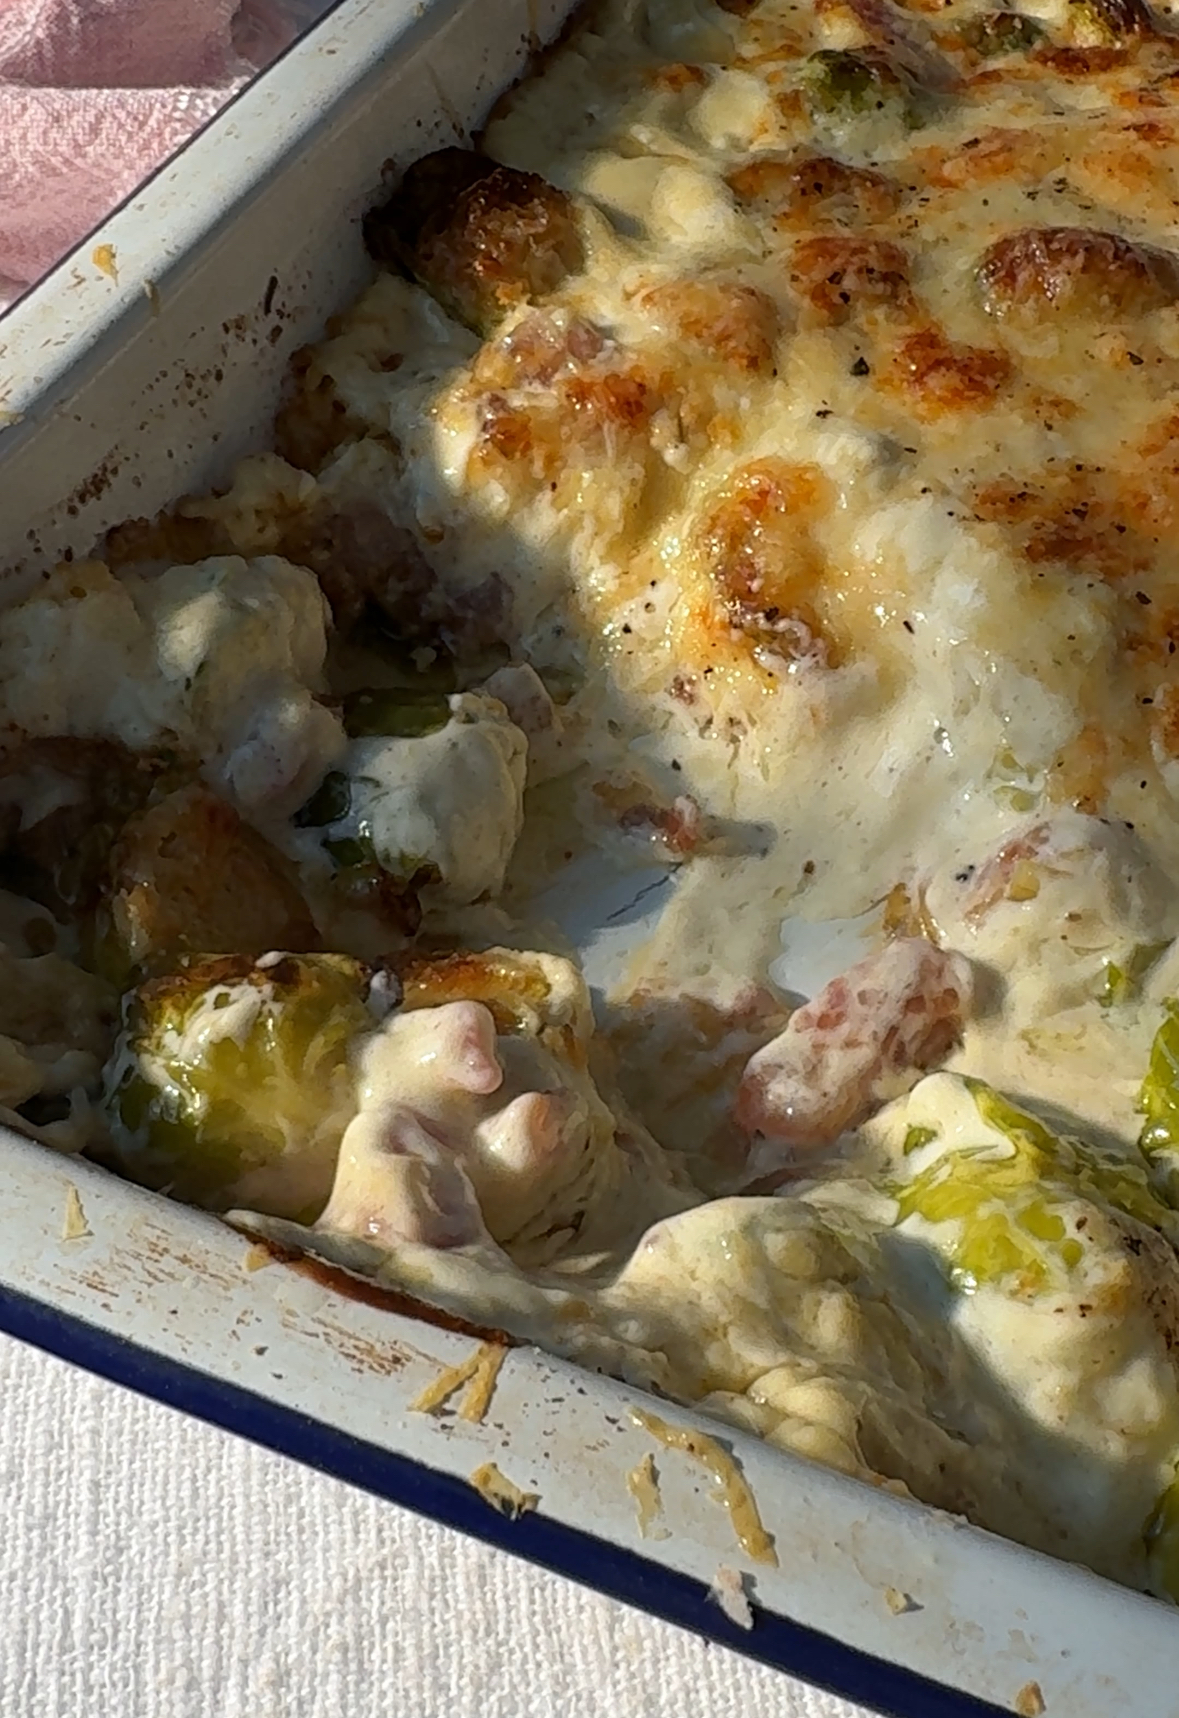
point(93, 787)
point(188, 876)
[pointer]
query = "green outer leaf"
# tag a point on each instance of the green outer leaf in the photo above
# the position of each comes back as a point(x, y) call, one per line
point(1010, 1209)
point(1123, 982)
point(1158, 1099)
point(331, 801)
point(398, 712)
point(197, 1116)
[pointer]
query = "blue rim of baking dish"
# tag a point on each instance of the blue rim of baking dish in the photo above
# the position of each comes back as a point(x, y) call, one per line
point(610, 1569)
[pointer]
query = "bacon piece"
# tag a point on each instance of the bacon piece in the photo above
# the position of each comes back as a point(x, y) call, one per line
point(1010, 874)
point(865, 1038)
point(678, 827)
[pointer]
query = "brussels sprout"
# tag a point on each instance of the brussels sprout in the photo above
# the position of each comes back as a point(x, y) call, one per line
point(1016, 1208)
point(1002, 33)
point(187, 877)
point(1158, 1100)
point(231, 1081)
point(481, 238)
point(841, 85)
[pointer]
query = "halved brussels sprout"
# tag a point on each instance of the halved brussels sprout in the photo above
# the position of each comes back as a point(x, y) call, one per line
point(430, 792)
point(231, 1083)
point(1029, 1204)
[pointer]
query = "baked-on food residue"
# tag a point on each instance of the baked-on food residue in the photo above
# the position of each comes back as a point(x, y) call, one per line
point(501, 1493)
point(643, 1484)
point(728, 1589)
point(733, 1491)
point(649, 820)
point(74, 1224)
point(478, 1371)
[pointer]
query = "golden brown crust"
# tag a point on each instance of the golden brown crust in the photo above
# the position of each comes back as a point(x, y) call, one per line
point(936, 376)
point(762, 561)
point(814, 190)
point(1077, 271)
point(725, 319)
point(841, 278)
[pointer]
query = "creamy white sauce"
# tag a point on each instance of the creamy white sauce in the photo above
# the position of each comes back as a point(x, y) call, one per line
point(451, 802)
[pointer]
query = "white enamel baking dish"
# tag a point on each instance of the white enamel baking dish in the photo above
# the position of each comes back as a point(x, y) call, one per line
point(140, 369)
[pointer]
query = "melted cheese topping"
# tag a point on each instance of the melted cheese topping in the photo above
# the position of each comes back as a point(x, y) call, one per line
point(841, 475)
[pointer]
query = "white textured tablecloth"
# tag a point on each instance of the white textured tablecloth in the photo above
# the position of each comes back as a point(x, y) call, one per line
point(151, 1567)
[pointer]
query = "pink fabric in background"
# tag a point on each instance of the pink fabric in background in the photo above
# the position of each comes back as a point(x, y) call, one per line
point(94, 94)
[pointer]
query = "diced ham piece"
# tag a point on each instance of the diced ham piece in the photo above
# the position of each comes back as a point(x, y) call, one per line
point(865, 1038)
